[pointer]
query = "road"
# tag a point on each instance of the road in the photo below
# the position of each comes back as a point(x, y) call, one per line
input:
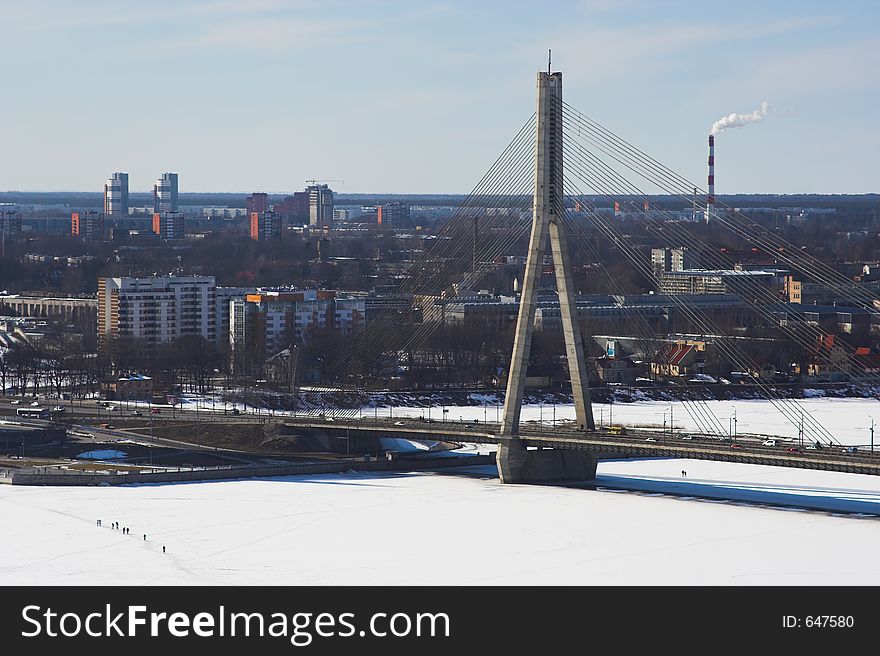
point(604, 441)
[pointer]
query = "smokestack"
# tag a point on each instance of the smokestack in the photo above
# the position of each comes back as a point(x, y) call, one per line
point(710, 199)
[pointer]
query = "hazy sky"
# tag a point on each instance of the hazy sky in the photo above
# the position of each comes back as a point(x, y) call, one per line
point(420, 97)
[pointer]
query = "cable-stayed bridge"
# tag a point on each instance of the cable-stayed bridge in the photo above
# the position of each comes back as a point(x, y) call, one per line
point(536, 198)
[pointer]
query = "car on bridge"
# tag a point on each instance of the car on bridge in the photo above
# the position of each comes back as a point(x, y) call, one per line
point(769, 443)
point(794, 449)
point(15, 402)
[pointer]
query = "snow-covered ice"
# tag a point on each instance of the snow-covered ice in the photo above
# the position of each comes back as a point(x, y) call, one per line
point(642, 522)
point(424, 528)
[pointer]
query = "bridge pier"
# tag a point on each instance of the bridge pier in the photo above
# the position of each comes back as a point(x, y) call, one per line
point(516, 464)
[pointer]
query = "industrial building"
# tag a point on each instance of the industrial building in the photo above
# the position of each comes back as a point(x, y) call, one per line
point(719, 281)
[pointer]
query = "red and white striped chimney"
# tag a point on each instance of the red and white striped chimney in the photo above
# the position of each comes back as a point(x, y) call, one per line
point(710, 199)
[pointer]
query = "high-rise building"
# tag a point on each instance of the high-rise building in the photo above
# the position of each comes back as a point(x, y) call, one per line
point(294, 208)
point(664, 260)
point(393, 215)
point(257, 202)
point(116, 196)
point(169, 225)
point(320, 207)
point(10, 224)
point(165, 193)
point(265, 225)
point(157, 309)
point(88, 224)
point(223, 296)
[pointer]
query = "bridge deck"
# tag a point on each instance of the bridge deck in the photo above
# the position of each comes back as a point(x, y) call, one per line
point(607, 444)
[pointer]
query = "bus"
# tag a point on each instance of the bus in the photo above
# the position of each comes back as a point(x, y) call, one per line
point(33, 413)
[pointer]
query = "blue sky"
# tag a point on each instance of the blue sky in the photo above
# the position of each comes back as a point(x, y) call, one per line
point(420, 97)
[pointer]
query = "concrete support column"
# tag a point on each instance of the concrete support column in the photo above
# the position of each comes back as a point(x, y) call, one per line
point(516, 464)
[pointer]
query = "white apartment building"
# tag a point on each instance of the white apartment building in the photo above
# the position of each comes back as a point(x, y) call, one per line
point(157, 309)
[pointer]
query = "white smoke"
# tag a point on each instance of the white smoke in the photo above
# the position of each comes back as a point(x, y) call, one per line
point(739, 120)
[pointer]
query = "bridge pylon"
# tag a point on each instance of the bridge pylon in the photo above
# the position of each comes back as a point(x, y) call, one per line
point(515, 463)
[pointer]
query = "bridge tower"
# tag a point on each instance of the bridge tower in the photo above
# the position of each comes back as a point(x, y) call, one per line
point(515, 463)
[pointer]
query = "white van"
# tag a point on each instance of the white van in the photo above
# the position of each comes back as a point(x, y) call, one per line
point(769, 443)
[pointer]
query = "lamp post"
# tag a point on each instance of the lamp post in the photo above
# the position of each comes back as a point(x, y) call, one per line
point(801, 430)
point(664, 418)
point(734, 423)
point(872, 437)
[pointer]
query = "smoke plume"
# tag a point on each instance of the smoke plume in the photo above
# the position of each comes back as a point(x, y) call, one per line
point(739, 120)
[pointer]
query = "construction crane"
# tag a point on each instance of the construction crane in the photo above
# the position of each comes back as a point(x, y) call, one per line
point(313, 182)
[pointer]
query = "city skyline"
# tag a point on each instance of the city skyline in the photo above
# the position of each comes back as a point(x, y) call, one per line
point(422, 99)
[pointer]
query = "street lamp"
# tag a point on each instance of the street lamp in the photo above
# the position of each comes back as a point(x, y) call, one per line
point(669, 409)
point(801, 430)
point(872, 437)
